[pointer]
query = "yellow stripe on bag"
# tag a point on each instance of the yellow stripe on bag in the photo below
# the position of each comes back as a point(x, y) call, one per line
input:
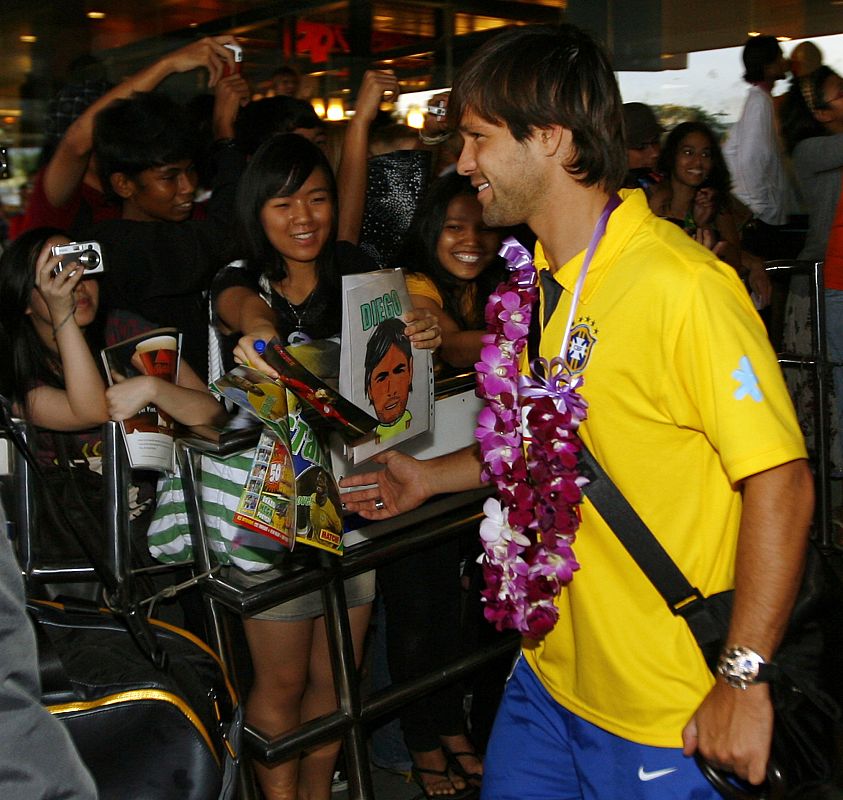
point(140, 694)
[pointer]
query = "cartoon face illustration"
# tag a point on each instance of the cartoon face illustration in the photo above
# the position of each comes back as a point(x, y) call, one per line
point(389, 371)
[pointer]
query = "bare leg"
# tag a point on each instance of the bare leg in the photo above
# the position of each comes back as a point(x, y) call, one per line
point(280, 654)
point(316, 767)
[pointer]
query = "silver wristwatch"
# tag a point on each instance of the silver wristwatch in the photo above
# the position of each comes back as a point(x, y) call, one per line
point(742, 667)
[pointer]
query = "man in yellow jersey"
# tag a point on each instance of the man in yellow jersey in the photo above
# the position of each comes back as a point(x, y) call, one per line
point(688, 413)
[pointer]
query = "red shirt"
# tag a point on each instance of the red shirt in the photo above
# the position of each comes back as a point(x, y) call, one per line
point(86, 206)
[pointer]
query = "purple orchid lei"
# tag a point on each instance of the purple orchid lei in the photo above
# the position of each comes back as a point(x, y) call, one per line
point(530, 527)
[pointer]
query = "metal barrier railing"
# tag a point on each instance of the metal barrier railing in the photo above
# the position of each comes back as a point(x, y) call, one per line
point(817, 363)
point(438, 520)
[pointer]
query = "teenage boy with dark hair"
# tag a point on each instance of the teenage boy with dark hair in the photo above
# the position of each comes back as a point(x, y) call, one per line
point(67, 193)
point(686, 410)
point(158, 262)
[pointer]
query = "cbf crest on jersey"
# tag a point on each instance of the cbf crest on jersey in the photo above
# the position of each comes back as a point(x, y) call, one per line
point(583, 339)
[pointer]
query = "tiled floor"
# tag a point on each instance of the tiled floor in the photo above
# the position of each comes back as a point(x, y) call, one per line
point(388, 786)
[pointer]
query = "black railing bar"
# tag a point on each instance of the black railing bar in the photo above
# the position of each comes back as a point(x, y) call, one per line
point(790, 265)
point(368, 555)
point(62, 574)
point(247, 601)
point(225, 444)
point(358, 559)
point(331, 726)
point(346, 679)
point(436, 507)
point(327, 728)
point(392, 698)
point(790, 360)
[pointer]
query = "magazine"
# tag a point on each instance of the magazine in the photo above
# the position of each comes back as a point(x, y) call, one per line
point(268, 502)
point(379, 369)
point(257, 393)
point(333, 411)
point(149, 434)
point(291, 494)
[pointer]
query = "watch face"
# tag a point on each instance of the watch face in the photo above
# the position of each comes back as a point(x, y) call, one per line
point(739, 666)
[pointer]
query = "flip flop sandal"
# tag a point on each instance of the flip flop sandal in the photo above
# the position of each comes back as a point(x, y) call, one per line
point(444, 775)
point(474, 779)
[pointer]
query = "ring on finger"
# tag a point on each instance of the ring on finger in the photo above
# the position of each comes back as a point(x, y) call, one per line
point(379, 505)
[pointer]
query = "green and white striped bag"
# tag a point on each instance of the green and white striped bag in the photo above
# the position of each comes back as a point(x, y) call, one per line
point(222, 482)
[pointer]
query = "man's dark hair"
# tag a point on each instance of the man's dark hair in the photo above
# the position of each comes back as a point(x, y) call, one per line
point(278, 169)
point(286, 69)
point(798, 111)
point(261, 119)
point(139, 132)
point(758, 52)
point(535, 76)
point(389, 332)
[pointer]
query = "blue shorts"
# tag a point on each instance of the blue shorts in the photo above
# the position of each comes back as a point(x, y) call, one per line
point(540, 751)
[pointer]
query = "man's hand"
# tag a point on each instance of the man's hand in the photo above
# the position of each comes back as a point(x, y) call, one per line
point(733, 729)
point(230, 95)
point(208, 52)
point(400, 487)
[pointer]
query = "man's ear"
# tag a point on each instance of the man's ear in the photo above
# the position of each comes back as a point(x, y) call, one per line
point(552, 139)
point(123, 186)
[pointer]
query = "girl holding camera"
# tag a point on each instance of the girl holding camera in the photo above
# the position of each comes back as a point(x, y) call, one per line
point(52, 329)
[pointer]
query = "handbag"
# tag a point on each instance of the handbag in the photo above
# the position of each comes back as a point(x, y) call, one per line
point(145, 731)
point(148, 705)
point(803, 712)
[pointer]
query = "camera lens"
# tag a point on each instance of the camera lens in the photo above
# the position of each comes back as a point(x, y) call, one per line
point(89, 259)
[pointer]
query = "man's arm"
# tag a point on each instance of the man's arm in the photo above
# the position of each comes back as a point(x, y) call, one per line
point(405, 482)
point(67, 167)
point(733, 728)
point(352, 172)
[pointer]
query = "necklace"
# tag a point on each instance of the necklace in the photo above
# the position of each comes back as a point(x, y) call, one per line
point(298, 336)
point(530, 527)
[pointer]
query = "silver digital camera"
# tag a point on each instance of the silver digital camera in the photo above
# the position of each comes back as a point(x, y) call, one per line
point(85, 254)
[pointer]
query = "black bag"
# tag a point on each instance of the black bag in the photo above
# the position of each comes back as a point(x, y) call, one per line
point(147, 704)
point(145, 732)
point(804, 713)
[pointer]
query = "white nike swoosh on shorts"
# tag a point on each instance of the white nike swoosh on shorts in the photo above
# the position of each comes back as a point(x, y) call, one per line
point(656, 773)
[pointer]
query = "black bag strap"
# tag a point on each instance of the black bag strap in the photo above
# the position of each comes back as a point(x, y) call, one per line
point(682, 598)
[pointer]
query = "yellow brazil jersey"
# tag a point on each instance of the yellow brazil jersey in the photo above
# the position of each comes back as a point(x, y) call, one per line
point(685, 399)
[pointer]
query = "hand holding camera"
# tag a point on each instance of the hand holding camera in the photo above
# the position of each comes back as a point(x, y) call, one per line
point(87, 255)
point(435, 129)
point(57, 285)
